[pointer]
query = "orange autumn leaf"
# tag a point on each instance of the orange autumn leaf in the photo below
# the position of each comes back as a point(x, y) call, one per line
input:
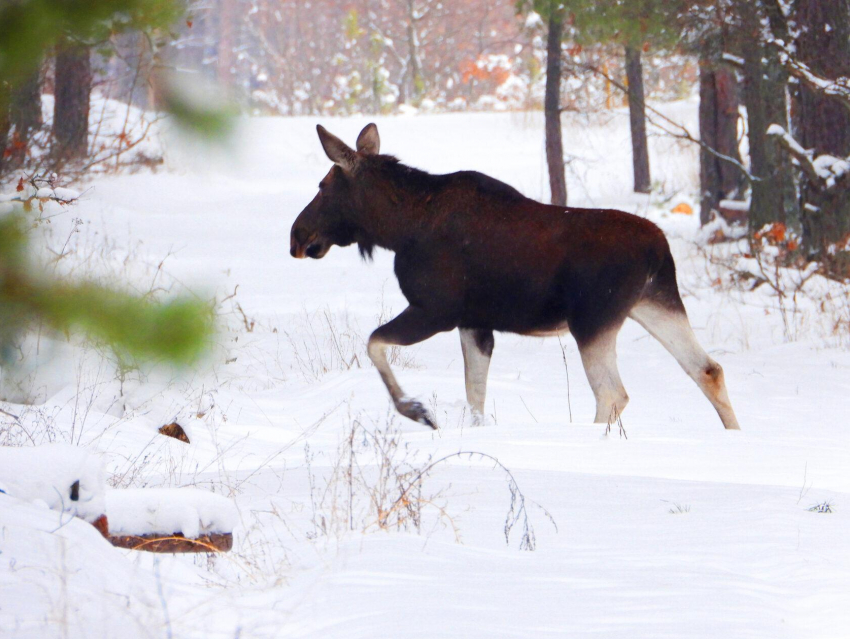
point(774, 233)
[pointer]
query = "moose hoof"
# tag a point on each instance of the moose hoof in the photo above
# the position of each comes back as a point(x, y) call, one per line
point(417, 412)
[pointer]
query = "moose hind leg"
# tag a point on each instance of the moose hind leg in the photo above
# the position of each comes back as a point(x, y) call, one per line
point(599, 357)
point(672, 328)
point(477, 346)
point(410, 327)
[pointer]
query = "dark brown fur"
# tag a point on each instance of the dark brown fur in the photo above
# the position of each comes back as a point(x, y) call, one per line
point(475, 253)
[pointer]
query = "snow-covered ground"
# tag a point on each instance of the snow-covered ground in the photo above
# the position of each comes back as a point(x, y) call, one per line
point(681, 530)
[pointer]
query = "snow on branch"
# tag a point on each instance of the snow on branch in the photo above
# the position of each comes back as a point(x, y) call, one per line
point(826, 172)
point(734, 60)
point(38, 189)
point(838, 88)
point(796, 151)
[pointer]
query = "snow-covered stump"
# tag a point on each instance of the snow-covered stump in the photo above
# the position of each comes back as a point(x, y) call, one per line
point(64, 478)
point(179, 520)
point(71, 481)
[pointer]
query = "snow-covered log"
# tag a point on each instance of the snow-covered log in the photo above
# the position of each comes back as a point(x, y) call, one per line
point(171, 520)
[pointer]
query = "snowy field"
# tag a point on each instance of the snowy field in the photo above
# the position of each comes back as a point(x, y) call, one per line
point(680, 530)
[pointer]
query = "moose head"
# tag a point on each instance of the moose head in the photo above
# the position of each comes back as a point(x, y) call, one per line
point(332, 217)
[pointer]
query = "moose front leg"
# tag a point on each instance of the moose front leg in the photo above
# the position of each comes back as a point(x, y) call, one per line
point(412, 326)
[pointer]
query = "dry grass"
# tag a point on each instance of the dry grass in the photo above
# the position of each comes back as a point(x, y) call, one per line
point(323, 342)
point(377, 482)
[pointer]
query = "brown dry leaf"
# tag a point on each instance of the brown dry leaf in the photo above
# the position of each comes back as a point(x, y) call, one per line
point(176, 431)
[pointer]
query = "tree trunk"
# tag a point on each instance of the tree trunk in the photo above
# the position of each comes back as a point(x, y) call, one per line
point(718, 128)
point(5, 124)
point(414, 65)
point(4, 133)
point(25, 116)
point(823, 124)
point(226, 43)
point(71, 106)
point(552, 112)
point(637, 117)
point(774, 191)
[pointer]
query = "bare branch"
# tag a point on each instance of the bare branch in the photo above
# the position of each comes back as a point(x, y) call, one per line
point(838, 88)
point(678, 131)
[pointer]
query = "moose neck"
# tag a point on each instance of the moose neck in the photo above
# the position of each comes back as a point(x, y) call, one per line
point(395, 205)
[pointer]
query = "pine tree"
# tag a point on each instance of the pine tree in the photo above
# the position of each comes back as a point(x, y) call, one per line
point(554, 14)
point(822, 122)
point(823, 44)
point(637, 120)
point(552, 111)
point(135, 327)
point(5, 123)
point(24, 116)
point(71, 105)
point(711, 34)
point(774, 190)
point(636, 25)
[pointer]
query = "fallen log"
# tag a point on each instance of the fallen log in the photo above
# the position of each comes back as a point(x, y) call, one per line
point(170, 520)
point(175, 543)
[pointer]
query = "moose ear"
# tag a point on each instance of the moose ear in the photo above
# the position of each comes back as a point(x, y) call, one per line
point(369, 142)
point(337, 151)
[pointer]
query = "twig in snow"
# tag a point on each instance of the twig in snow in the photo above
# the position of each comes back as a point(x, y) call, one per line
point(566, 368)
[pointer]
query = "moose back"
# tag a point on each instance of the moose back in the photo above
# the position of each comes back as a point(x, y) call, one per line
point(473, 253)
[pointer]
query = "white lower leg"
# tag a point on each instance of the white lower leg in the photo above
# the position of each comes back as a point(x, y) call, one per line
point(674, 331)
point(476, 364)
point(377, 351)
point(600, 364)
point(408, 407)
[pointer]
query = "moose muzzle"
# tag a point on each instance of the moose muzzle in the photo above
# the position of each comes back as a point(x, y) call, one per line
point(303, 244)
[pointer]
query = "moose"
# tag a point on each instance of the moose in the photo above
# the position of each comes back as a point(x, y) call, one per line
point(475, 254)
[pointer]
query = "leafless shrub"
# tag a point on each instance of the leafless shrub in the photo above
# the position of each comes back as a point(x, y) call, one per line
point(801, 292)
point(377, 482)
